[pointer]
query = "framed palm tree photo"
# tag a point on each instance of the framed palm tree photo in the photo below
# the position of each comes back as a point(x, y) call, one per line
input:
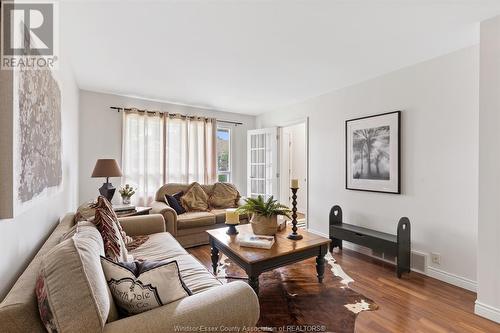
point(373, 153)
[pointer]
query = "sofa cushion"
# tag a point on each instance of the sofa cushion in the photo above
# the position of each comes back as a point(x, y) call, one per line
point(163, 246)
point(196, 277)
point(195, 219)
point(220, 215)
point(74, 282)
point(224, 195)
point(19, 309)
point(159, 246)
point(170, 189)
point(140, 286)
point(195, 198)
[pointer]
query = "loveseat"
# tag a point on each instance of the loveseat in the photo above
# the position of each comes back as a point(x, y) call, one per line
point(211, 305)
point(189, 228)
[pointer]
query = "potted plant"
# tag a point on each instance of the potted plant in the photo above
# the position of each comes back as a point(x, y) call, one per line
point(127, 192)
point(264, 219)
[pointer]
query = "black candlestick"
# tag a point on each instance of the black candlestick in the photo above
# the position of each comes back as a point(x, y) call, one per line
point(294, 235)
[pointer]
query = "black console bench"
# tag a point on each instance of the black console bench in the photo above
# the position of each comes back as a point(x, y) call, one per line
point(395, 245)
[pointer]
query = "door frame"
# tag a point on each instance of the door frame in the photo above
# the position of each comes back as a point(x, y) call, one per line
point(280, 125)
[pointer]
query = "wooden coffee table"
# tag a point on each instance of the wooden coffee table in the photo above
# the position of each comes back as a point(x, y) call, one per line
point(256, 261)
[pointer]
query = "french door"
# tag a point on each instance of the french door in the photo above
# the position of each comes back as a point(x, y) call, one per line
point(262, 163)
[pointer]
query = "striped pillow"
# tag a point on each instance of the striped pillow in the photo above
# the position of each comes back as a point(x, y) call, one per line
point(106, 222)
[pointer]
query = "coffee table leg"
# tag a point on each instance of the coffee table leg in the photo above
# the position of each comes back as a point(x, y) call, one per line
point(215, 257)
point(253, 281)
point(320, 267)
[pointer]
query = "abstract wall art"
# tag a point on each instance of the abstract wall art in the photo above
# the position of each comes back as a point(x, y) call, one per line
point(38, 134)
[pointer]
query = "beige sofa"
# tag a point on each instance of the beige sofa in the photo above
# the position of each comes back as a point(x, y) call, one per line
point(211, 305)
point(189, 228)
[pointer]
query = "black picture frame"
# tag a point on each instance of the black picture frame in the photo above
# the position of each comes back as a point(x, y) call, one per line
point(397, 190)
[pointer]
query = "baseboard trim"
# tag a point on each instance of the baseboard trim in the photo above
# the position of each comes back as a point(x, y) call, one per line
point(453, 279)
point(487, 311)
point(318, 233)
point(432, 272)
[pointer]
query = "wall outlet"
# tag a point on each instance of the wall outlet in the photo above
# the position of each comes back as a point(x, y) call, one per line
point(436, 258)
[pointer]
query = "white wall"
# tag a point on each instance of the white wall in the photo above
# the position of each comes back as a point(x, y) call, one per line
point(439, 100)
point(22, 236)
point(488, 298)
point(101, 136)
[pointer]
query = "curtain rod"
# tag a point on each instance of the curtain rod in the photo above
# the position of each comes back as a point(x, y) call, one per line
point(117, 108)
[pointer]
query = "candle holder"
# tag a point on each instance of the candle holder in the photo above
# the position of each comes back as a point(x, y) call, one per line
point(232, 219)
point(294, 235)
point(232, 230)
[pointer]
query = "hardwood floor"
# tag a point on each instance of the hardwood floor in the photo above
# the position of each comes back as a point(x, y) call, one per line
point(415, 303)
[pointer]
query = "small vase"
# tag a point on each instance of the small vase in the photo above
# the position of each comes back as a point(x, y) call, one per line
point(262, 225)
point(125, 200)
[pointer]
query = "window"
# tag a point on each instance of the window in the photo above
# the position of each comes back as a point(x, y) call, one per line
point(223, 154)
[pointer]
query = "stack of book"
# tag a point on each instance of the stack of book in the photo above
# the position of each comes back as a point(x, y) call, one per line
point(257, 241)
point(123, 209)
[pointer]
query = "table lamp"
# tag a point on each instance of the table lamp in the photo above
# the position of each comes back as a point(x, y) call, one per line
point(107, 168)
point(232, 219)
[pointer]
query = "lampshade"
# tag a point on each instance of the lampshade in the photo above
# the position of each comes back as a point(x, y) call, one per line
point(106, 168)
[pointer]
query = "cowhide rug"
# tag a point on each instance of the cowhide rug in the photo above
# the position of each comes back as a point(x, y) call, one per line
point(292, 296)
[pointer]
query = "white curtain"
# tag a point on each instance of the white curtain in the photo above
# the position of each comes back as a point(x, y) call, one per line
point(159, 148)
point(143, 153)
point(190, 150)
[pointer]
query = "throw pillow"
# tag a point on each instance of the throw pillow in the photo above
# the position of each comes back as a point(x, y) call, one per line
point(195, 198)
point(71, 285)
point(72, 231)
point(111, 232)
point(85, 212)
point(174, 201)
point(44, 309)
point(224, 195)
point(143, 285)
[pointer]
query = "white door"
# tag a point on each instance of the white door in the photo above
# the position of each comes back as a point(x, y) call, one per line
point(262, 163)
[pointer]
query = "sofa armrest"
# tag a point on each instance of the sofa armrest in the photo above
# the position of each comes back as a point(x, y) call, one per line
point(142, 224)
point(169, 215)
point(231, 305)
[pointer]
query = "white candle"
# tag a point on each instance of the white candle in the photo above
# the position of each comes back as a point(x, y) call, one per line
point(232, 216)
point(295, 183)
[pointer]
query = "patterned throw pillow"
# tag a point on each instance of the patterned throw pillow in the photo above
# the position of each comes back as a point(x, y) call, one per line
point(174, 201)
point(195, 198)
point(224, 195)
point(140, 286)
point(46, 314)
point(106, 222)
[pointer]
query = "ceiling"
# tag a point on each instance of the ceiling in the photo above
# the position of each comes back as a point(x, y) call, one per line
point(254, 56)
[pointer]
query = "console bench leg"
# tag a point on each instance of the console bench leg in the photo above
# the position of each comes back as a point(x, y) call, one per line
point(335, 243)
